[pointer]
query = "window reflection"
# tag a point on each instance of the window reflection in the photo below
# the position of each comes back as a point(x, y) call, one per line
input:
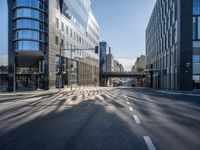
point(196, 58)
point(29, 46)
point(196, 7)
point(31, 13)
point(30, 34)
point(31, 3)
point(28, 23)
point(196, 68)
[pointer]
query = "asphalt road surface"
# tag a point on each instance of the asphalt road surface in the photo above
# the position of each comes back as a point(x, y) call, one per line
point(100, 119)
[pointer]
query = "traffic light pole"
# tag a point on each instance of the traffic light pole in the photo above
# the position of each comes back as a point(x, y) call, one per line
point(60, 69)
point(14, 79)
point(70, 77)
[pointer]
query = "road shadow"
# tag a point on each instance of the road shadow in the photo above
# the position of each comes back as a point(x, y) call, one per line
point(52, 125)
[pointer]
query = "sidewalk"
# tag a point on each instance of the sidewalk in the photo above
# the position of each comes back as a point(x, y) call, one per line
point(187, 93)
point(40, 92)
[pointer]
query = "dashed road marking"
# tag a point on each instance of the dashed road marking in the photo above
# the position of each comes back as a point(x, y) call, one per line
point(128, 103)
point(149, 143)
point(137, 120)
point(130, 108)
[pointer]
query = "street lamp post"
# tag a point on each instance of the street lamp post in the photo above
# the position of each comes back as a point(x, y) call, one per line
point(60, 69)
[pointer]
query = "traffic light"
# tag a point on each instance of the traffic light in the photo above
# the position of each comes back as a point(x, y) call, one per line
point(11, 68)
point(96, 49)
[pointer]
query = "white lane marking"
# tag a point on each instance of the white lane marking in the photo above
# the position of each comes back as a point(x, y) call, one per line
point(149, 143)
point(128, 103)
point(125, 96)
point(130, 108)
point(137, 120)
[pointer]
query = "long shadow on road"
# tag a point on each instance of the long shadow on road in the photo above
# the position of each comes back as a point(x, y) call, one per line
point(86, 126)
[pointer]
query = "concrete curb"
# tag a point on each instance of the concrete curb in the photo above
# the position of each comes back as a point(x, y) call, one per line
point(178, 93)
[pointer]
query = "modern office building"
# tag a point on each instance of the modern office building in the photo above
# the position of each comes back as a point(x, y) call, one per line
point(37, 30)
point(104, 49)
point(173, 45)
point(107, 63)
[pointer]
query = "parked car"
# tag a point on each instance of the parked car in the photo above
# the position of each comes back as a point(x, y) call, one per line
point(132, 83)
point(115, 84)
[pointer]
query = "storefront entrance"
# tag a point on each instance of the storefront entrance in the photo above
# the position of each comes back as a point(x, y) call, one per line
point(29, 82)
point(29, 70)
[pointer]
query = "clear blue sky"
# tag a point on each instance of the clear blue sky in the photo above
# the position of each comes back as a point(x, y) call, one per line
point(123, 24)
point(3, 33)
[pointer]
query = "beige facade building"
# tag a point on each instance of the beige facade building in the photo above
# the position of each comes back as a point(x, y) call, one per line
point(74, 30)
point(139, 66)
point(112, 65)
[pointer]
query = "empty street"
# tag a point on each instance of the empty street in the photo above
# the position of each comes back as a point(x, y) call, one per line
point(120, 118)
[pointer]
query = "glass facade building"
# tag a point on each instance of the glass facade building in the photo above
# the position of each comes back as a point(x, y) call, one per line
point(104, 48)
point(30, 27)
point(173, 45)
point(37, 29)
point(196, 44)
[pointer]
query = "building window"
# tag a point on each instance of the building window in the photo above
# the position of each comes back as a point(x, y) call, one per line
point(70, 32)
point(67, 45)
point(57, 23)
point(74, 49)
point(31, 3)
point(57, 63)
point(74, 36)
point(198, 28)
point(196, 68)
point(196, 58)
point(196, 7)
point(67, 30)
point(196, 82)
point(28, 45)
point(57, 4)
point(194, 34)
point(62, 26)
point(173, 35)
point(175, 15)
point(56, 40)
point(29, 34)
point(80, 40)
point(62, 43)
point(32, 24)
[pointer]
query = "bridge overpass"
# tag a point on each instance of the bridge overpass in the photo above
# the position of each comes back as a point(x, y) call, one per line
point(121, 75)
